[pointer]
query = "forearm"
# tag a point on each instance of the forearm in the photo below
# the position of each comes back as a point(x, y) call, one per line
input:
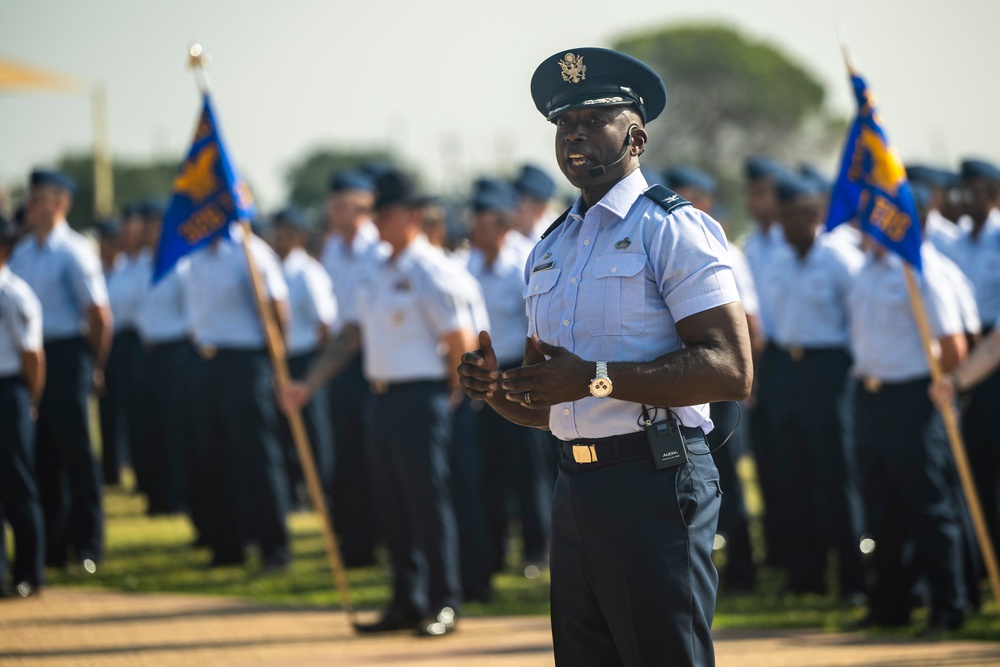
point(690, 376)
point(99, 331)
point(336, 355)
point(984, 359)
point(517, 413)
point(33, 371)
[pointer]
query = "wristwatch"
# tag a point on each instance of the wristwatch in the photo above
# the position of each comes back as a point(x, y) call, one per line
point(601, 385)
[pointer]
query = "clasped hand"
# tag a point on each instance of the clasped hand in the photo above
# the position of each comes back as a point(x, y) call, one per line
point(551, 375)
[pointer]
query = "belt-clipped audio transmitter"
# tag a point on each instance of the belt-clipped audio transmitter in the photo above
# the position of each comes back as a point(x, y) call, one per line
point(667, 444)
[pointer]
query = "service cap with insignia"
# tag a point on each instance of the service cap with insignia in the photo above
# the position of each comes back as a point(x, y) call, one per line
point(290, 217)
point(790, 186)
point(534, 182)
point(395, 188)
point(54, 178)
point(685, 176)
point(979, 169)
point(593, 77)
point(761, 166)
point(493, 195)
point(344, 181)
point(812, 174)
point(931, 176)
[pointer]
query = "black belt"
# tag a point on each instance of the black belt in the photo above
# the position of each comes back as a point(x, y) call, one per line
point(381, 387)
point(874, 385)
point(617, 447)
point(799, 352)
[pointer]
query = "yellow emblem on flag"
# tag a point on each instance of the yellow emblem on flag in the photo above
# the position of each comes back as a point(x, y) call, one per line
point(197, 180)
point(886, 171)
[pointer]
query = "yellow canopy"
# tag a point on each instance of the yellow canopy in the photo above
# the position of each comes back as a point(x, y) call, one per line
point(15, 76)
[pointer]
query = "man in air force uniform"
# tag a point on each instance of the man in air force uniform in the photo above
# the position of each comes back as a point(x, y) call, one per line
point(633, 312)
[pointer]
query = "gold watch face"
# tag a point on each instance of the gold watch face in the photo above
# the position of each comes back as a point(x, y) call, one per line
point(600, 387)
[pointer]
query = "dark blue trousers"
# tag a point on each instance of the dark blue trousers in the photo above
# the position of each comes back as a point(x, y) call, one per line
point(410, 438)
point(517, 482)
point(779, 532)
point(633, 581)
point(244, 484)
point(169, 427)
point(467, 484)
point(905, 470)
point(19, 501)
point(740, 572)
point(125, 392)
point(69, 477)
point(351, 404)
point(981, 432)
point(316, 418)
point(817, 470)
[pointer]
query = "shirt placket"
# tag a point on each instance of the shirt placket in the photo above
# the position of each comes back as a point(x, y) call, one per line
point(584, 248)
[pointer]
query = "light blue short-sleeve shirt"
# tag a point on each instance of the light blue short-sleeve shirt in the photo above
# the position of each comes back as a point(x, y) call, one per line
point(310, 300)
point(885, 340)
point(65, 274)
point(350, 265)
point(20, 322)
point(405, 310)
point(128, 285)
point(611, 284)
point(758, 248)
point(163, 314)
point(808, 295)
point(979, 259)
point(220, 295)
point(502, 284)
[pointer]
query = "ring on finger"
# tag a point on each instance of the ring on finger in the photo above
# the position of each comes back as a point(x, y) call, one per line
point(527, 397)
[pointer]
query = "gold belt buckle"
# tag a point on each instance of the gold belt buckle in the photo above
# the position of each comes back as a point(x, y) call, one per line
point(584, 453)
point(379, 388)
point(872, 385)
point(796, 353)
point(207, 352)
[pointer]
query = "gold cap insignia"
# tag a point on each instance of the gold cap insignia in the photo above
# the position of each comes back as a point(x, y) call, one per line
point(573, 69)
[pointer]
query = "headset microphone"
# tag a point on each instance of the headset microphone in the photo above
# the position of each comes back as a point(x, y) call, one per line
point(600, 170)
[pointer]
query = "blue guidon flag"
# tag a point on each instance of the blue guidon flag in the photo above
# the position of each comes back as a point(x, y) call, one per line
point(872, 185)
point(208, 195)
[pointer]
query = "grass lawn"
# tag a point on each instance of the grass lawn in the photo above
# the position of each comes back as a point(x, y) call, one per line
point(155, 555)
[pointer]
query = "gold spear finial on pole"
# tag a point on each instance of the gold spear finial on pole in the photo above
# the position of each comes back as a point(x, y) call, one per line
point(199, 62)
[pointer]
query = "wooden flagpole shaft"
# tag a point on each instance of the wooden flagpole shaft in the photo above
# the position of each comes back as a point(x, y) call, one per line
point(276, 350)
point(955, 440)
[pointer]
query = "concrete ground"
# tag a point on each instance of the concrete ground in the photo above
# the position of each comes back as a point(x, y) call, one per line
point(76, 627)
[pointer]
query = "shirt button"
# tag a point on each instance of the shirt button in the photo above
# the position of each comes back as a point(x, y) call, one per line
point(536, 288)
point(573, 280)
point(566, 411)
point(586, 242)
point(565, 323)
point(614, 269)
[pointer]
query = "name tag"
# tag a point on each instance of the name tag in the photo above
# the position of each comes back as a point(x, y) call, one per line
point(542, 267)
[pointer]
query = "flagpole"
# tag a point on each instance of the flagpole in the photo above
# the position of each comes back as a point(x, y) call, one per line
point(955, 440)
point(276, 350)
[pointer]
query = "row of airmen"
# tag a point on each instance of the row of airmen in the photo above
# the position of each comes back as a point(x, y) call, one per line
point(845, 440)
point(186, 393)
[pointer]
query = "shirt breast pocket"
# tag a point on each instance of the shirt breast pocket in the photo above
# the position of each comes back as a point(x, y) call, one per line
point(819, 292)
point(538, 296)
point(615, 304)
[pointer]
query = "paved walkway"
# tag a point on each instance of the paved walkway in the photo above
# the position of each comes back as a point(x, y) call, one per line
point(75, 627)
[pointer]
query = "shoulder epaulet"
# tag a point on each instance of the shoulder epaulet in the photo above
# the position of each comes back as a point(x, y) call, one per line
point(667, 199)
point(561, 219)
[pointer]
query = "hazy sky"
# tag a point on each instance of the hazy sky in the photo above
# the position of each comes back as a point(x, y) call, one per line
point(447, 82)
